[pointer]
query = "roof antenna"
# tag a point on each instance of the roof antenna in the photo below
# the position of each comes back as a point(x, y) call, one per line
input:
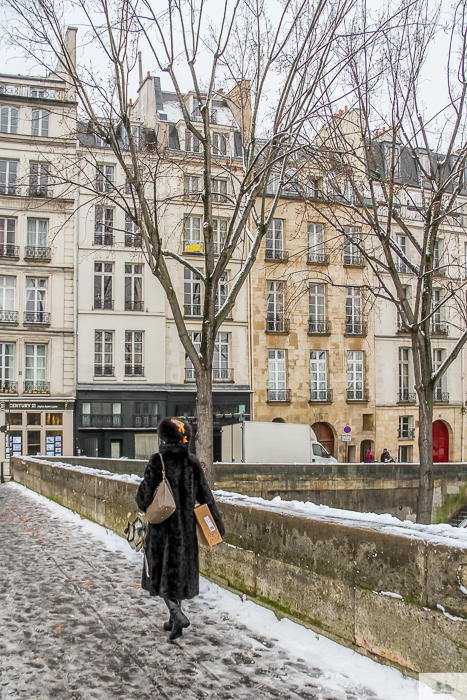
point(140, 64)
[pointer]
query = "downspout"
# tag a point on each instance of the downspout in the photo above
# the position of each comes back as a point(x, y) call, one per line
point(77, 218)
point(463, 409)
point(250, 331)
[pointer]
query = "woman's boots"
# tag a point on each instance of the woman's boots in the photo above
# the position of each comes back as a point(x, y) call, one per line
point(177, 621)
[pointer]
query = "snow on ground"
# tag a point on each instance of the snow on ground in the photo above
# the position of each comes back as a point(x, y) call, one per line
point(310, 665)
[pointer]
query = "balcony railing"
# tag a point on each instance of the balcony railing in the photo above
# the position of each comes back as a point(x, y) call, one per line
point(104, 371)
point(193, 247)
point(133, 241)
point(92, 420)
point(42, 317)
point(103, 303)
point(190, 374)
point(274, 254)
point(36, 191)
point(318, 258)
point(145, 421)
point(358, 394)
point(7, 250)
point(439, 329)
point(103, 239)
point(134, 371)
point(356, 328)
point(279, 395)
point(406, 433)
point(134, 305)
point(8, 386)
point(8, 316)
point(441, 396)
point(37, 252)
point(32, 91)
point(9, 189)
point(218, 247)
point(36, 387)
point(319, 327)
point(321, 395)
point(406, 396)
point(354, 260)
point(222, 374)
point(192, 309)
point(278, 324)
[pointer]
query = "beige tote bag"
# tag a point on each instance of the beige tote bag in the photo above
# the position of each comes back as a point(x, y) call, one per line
point(163, 504)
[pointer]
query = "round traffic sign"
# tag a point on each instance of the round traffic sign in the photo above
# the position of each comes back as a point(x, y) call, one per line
point(347, 429)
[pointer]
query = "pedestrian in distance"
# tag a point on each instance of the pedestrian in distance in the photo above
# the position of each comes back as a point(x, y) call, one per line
point(369, 457)
point(386, 457)
point(171, 568)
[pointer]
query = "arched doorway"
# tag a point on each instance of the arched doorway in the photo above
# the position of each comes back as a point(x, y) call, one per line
point(440, 442)
point(364, 446)
point(324, 435)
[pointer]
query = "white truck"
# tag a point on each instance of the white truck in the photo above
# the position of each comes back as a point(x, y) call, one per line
point(285, 443)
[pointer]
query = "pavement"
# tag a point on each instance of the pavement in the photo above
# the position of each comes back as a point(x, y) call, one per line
point(75, 624)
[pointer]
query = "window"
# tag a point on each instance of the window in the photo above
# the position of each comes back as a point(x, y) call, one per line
point(53, 443)
point(191, 186)
point(101, 414)
point(355, 390)
point(192, 233)
point(104, 178)
point(103, 285)
point(219, 231)
point(437, 320)
point(316, 243)
point(36, 300)
point(317, 308)
point(274, 240)
point(100, 142)
point(440, 388)
point(7, 374)
point(219, 190)
point(192, 144)
point(405, 454)
point(189, 369)
point(392, 159)
point(134, 287)
point(37, 233)
point(403, 243)
point(35, 368)
point(40, 122)
point(191, 293)
point(54, 418)
point(9, 119)
point(406, 430)
point(424, 161)
point(103, 226)
point(353, 311)
point(275, 321)
point(146, 444)
point(7, 295)
point(312, 189)
point(13, 444)
point(277, 389)
point(8, 238)
point(146, 414)
point(272, 186)
point(33, 419)
point(8, 177)
point(351, 246)
point(318, 376)
point(133, 354)
point(407, 291)
point(129, 186)
point(222, 291)
point(465, 259)
point(39, 180)
point(132, 233)
point(219, 144)
point(438, 265)
point(405, 393)
point(103, 353)
point(220, 365)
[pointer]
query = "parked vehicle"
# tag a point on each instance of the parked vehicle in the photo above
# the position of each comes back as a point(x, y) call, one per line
point(284, 443)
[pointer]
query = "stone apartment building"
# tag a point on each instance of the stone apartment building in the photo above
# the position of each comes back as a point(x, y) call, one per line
point(37, 346)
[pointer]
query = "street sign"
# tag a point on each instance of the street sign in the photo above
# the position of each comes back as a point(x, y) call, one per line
point(346, 437)
point(347, 429)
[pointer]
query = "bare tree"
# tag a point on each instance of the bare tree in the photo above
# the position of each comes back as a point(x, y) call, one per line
point(394, 183)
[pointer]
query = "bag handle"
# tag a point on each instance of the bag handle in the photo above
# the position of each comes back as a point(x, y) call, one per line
point(163, 467)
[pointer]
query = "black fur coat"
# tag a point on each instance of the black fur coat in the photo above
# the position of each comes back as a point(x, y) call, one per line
point(172, 546)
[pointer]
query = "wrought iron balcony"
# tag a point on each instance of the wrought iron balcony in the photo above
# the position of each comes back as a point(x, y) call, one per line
point(36, 387)
point(222, 374)
point(406, 396)
point(8, 316)
point(318, 258)
point(321, 396)
point(93, 420)
point(42, 317)
point(103, 239)
point(439, 329)
point(218, 247)
point(103, 303)
point(134, 371)
point(7, 250)
point(37, 252)
point(8, 386)
point(134, 305)
point(358, 394)
point(406, 433)
point(133, 241)
point(441, 396)
point(279, 395)
point(104, 371)
point(145, 421)
point(274, 254)
point(190, 374)
point(277, 324)
point(39, 191)
point(319, 327)
point(9, 190)
point(192, 309)
point(356, 328)
point(354, 260)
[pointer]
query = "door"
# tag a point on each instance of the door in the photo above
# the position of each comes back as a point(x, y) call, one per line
point(115, 449)
point(325, 436)
point(90, 445)
point(440, 442)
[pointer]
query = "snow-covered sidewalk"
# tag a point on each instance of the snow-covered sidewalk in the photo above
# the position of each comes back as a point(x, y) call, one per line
point(74, 624)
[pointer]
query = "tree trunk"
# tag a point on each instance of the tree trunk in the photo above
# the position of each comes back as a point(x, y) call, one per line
point(204, 435)
point(425, 443)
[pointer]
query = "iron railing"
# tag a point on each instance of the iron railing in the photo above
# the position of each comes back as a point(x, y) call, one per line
point(406, 396)
point(439, 329)
point(358, 394)
point(37, 317)
point(7, 250)
point(41, 252)
point(279, 395)
point(319, 327)
point(8, 386)
point(356, 328)
point(8, 316)
point(133, 241)
point(104, 370)
point(353, 260)
point(318, 258)
point(134, 371)
point(103, 303)
point(93, 420)
point(36, 387)
point(275, 254)
point(406, 433)
point(190, 374)
point(321, 395)
point(134, 305)
point(222, 374)
point(278, 324)
point(39, 191)
point(441, 396)
point(104, 239)
point(145, 421)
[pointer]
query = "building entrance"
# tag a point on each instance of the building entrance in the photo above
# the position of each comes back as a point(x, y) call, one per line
point(325, 436)
point(440, 442)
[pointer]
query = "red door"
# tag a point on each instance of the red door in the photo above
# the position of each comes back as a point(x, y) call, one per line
point(440, 442)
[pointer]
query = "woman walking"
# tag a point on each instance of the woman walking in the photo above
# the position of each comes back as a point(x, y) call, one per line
point(171, 568)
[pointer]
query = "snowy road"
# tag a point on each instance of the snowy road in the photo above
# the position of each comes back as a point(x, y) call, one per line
point(74, 624)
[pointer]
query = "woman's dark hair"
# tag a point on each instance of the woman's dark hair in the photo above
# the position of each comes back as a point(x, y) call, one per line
point(174, 430)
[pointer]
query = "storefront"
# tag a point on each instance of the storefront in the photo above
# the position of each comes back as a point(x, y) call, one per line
point(36, 428)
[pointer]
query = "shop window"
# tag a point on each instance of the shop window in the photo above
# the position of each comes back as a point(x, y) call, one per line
point(33, 419)
point(34, 442)
point(16, 419)
point(53, 441)
point(54, 419)
point(14, 446)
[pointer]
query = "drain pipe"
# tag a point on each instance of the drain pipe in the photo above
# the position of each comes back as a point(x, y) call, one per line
point(463, 409)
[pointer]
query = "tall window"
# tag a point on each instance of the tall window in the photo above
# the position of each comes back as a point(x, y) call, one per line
point(316, 243)
point(133, 237)
point(406, 430)
point(353, 311)
point(317, 308)
point(192, 234)
point(40, 122)
point(219, 232)
point(405, 393)
point(191, 185)
point(355, 390)
point(104, 178)
point(7, 357)
point(101, 415)
point(8, 176)
point(191, 293)
point(440, 388)
point(103, 353)
point(220, 365)
point(438, 257)
point(318, 375)
point(103, 273)
point(192, 144)
point(103, 226)
point(37, 233)
point(272, 185)
point(219, 144)
point(39, 180)
point(277, 387)
point(438, 324)
point(7, 299)
point(403, 243)
point(351, 246)
point(219, 190)
point(222, 291)
point(134, 287)
point(189, 369)
point(274, 240)
point(36, 300)
point(9, 119)
point(7, 237)
point(275, 320)
point(133, 353)
point(407, 292)
point(392, 158)
point(35, 368)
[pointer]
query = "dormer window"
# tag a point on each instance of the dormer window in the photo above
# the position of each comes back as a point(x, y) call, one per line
point(192, 144)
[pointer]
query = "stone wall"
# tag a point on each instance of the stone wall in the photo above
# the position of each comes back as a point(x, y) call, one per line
point(372, 591)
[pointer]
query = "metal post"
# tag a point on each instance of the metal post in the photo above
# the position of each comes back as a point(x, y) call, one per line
point(2, 474)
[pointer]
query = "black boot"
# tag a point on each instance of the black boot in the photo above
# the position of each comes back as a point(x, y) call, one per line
point(169, 624)
point(179, 620)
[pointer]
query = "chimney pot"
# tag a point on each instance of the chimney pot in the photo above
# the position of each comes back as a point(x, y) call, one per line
point(149, 73)
point(131, 101)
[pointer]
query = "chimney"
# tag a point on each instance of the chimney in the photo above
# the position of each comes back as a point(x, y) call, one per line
point(70, 44)
point(131, 101)
point(140, 66)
